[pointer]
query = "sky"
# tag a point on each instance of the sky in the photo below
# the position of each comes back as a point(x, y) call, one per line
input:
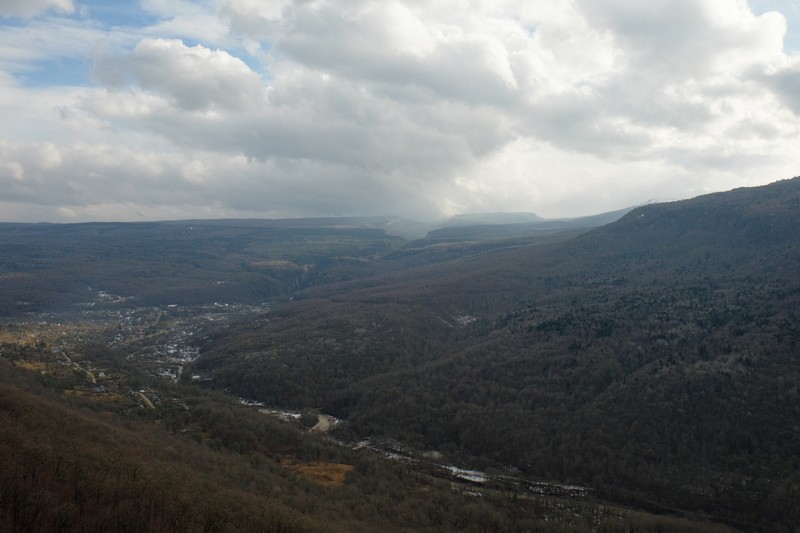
point(176, 109)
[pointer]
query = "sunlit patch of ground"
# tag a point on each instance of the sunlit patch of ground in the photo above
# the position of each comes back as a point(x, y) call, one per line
point(96, 397)
point(326, 474)
point(31, 365)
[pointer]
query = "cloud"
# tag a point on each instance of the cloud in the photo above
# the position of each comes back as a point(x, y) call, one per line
point(313, 107)
point(41, 45)
point(84, 177)
point(192, 78)
point(31, 8)
point(685, 38)
point(388, 44)
point(784, 82)
point(187, 20)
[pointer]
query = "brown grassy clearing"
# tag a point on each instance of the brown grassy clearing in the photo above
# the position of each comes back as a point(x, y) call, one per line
point(326, 474)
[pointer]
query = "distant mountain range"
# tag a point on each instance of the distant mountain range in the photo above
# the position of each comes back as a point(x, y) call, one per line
point(487, 226)
point(43, 265)
point(512, 225)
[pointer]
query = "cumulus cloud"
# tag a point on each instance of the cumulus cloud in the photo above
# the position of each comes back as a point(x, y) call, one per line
point(191, 77)
point(31, 8)
point(785, 83)
point(315, 107)
point(85, 177)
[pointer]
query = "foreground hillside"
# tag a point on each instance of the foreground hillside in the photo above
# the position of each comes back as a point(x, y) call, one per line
point(75, 456)
point(654, 359)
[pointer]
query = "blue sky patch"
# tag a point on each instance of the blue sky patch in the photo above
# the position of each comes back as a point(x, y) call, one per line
point(67, 71)
point(114, 14)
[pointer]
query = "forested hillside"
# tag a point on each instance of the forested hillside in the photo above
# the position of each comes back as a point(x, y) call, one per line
point(75, 458)
point(655, 358)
